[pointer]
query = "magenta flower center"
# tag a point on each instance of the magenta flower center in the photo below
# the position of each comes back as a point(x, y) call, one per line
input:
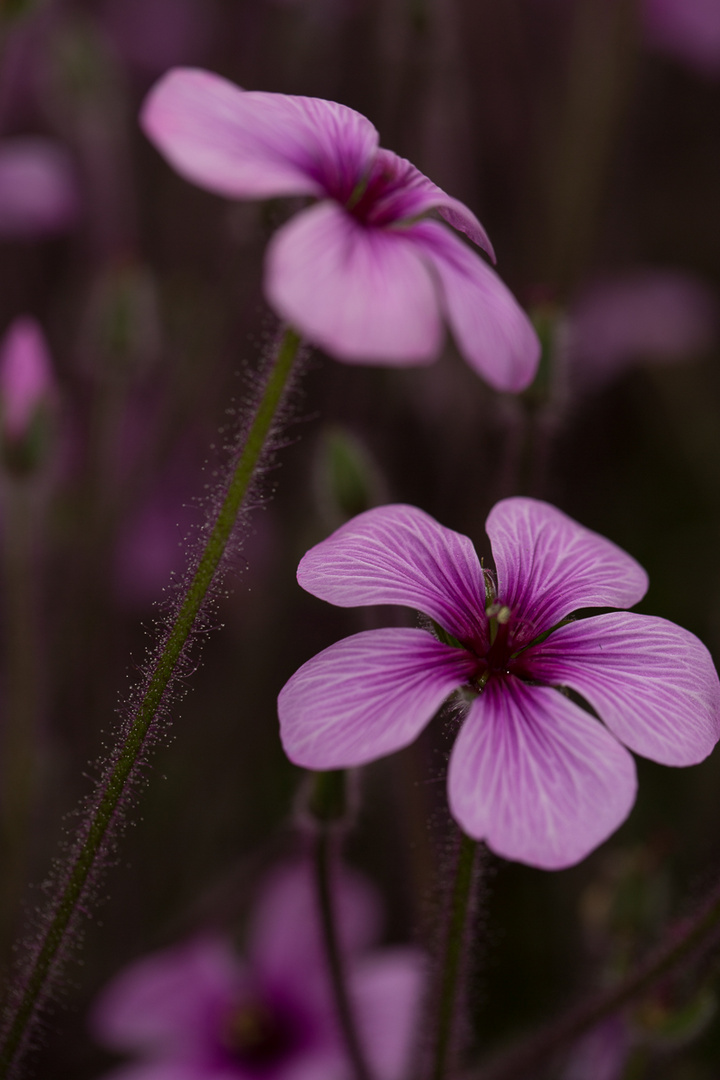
point(261, 1034)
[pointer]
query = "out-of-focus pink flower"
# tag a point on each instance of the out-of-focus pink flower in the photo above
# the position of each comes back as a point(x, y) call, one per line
point(531, 772)
point(27, 382)
point(602, 1054)
point(688, 30)
point(38, 190)
point(365, 272)
point(198, 1012)
point(663, 316)
point(153, 35)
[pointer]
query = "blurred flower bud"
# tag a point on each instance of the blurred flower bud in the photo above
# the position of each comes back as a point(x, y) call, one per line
point(27, 393)
point(688, 30)
point(122, 323)
point(347, 480)
point(660, 316)
point(153, 35)
point(38, 191)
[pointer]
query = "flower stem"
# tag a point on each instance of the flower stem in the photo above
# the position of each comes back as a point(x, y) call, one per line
point(449, 976)
point(325, 837)
point(683, 939)
point(97, 832)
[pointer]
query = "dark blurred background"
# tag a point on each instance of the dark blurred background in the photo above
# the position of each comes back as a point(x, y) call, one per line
point(585, 135)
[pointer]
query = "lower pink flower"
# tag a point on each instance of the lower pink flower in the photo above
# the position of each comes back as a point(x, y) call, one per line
point(531, 772)
point(198, 1012)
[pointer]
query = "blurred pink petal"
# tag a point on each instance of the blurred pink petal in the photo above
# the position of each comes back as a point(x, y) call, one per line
point(363, 294)
point(386, 989)
point(658, 315)
point(38, 191)
point(536, 777)
point(153, 35)
point(27, 380)
point(688, 30)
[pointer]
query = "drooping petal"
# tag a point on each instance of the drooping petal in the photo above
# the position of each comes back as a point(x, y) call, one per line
point(250, 144)
point(170, 1002)
point(361, 293)
point(400, 555)
point(549, 565)
point(537, 777)
point(404, 192)
point(653, 683)
point(367, 696)
point(285, 937)
point(492, 331)
point(387, 991)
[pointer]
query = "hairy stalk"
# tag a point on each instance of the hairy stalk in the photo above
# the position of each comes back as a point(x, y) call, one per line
point(95, 835)
point(451, 964)
point(323, 860)
point(683, 939)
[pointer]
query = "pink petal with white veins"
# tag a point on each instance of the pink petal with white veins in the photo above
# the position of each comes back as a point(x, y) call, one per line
point(367, 696)
point(400, 555)
point(405, 192)
point(169, 1002)
point(492, 331)
point(249, 144)
point(548, 565)
point(387, 992)
point(537, 777)
point(653, 683)
point(361, 293)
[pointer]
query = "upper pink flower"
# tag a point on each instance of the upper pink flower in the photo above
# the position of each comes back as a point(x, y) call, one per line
point(364, 273)
point(531, 772)
point(199, 1012)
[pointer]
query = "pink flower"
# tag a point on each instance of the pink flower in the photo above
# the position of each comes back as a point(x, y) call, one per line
point(27, 382)
point(365, 272)
point(663, 316)
point(38, 192)
point(198, 1012)
point(531, 772)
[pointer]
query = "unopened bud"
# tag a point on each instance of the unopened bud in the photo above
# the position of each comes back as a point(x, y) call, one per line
point(347, 480)
point(27, 393)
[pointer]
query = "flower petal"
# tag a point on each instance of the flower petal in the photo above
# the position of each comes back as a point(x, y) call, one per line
point(549, 565)
point(492, 331)
point(400, 555)
point(361, 293)
point(250, 144)
point(653, 683)
point(285, 937)
point(367, 696)
point(387, 991)
point(408, 193)
point(170, 1002)
point(537, 777)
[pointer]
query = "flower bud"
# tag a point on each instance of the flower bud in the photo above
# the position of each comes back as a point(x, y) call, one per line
point(27, 391)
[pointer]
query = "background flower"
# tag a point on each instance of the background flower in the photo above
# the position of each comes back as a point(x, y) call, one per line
point(197, 1012)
